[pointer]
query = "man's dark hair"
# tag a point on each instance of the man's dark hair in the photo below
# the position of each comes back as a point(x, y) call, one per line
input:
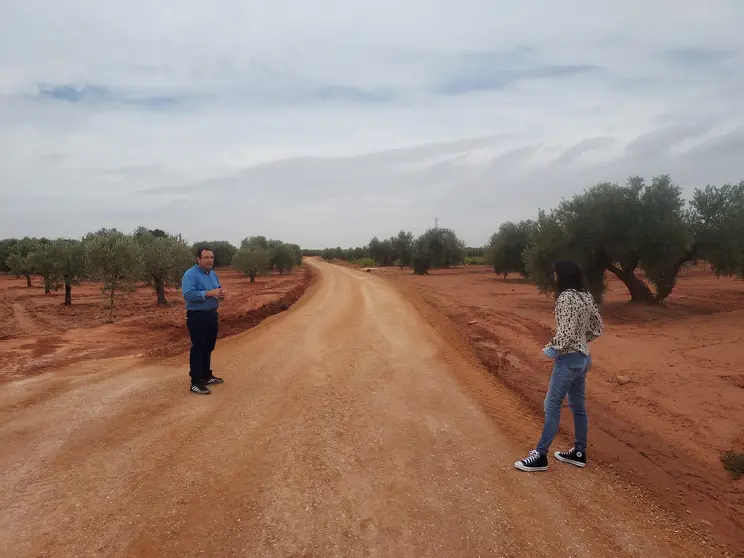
point(200, 249)
point(569, 277)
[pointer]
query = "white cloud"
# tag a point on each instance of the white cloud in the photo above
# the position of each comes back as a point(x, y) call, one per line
point(231, 108)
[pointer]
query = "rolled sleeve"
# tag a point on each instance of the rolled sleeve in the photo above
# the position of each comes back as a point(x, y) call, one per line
point(596, 325)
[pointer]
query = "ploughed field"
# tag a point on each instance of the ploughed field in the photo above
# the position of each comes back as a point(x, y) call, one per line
point(38, 332)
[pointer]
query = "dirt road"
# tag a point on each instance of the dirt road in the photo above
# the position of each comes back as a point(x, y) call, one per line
point(355, 424)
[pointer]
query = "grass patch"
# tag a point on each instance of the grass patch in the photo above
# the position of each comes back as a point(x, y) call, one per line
point(364, 262)
point(733, 462)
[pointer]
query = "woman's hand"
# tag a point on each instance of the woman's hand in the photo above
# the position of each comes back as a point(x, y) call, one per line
point(550, 352)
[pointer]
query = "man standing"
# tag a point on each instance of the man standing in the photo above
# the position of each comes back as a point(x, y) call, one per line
point(202, 292)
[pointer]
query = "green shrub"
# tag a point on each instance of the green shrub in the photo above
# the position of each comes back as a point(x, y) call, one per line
point(733, 462)
point(364, 262)
point(475, 260)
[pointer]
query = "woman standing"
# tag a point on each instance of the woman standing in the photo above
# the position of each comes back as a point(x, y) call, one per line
point(577, 324)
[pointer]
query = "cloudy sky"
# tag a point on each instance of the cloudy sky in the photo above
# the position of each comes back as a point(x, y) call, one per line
point(328, 122)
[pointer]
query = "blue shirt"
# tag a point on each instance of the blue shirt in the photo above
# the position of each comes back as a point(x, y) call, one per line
point(195, 284)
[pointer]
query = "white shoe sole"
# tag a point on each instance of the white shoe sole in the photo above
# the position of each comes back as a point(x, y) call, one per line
point(522, 467)
point(564, 460)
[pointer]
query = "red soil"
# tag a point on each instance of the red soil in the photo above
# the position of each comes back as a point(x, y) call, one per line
point(38, 332)
point(684, 404)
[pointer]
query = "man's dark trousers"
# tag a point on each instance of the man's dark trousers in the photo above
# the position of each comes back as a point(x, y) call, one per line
point(203, 326)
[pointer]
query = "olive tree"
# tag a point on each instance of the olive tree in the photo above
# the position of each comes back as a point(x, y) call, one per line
point(42, 262)
point(223, 251)
point(717, 216)
point(297, 252)
point(504, 251)
point(549, 243)
point(19, 262)
point(381, 251)
point(69, 263)
point(443, 246)
point(115, 259)
point(640, 227)
point(282, 257)
point(252, 261)
point(19, 265)
point(165, 258)
point(257, 241)
point(7, 248)
point(403, 248)
point(421, 258)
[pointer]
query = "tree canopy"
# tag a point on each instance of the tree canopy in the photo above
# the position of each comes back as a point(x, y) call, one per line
point(281, 256)
point(69, 263)
point(7, 248)
point(504, 251)
point(42, 262)
point(20, 260)
point(435, 248)
point(252, 261)
point(121, 261)
point(165, 258)
point(637, 228)
point(403, 248)
point(115, 259)
point(222, 249)
point(717, 217)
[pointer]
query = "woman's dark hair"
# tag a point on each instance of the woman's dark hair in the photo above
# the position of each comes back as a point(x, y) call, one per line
point(569, 276)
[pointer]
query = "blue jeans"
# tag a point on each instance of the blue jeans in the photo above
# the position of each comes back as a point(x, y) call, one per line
point(568, 378)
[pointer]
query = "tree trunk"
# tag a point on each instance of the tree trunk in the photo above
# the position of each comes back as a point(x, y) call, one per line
point(666, 285)
point(68, 291)
point(28, 279)
point(111, 301)
point(252, 275)
point(639, 291)
point(160, 290)
point(47, 285)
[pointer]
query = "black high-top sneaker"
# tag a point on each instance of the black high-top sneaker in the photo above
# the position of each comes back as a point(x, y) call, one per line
point(572, 456)
point(534, 462)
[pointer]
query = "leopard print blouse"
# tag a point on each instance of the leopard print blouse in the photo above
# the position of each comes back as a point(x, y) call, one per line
point(577, 322)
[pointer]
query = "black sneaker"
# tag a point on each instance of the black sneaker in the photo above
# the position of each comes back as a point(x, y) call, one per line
point(535, 462)
point(201, 390)
point(215, 380)
point(572, 456)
